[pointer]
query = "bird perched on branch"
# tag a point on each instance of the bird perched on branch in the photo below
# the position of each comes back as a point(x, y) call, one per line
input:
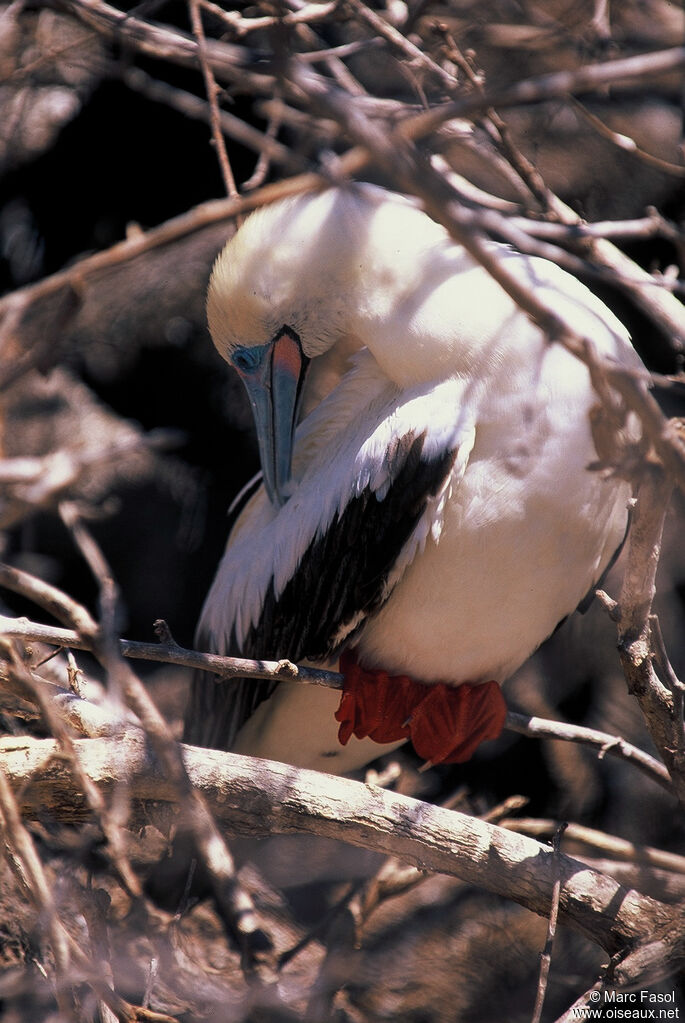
point(433, 513)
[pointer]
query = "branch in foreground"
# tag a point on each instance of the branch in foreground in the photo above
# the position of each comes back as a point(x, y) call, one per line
point(604, 742)
point(171, 653)
point(660, 704)
point(285, 671)
point(257, 797)
point(232, 901)
point(277, 671)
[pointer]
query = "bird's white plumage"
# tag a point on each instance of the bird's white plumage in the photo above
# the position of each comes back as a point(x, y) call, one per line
point(518, 530)
point(341, 450)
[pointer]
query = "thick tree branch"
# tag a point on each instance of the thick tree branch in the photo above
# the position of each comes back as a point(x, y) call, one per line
point(257, 797)
point(660, 704)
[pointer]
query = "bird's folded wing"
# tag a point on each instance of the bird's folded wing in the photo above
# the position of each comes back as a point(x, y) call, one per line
point(302, 582)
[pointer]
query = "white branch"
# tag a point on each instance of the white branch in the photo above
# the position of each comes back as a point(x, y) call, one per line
point(257, 797)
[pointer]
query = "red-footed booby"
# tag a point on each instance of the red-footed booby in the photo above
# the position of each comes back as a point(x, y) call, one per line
point(434, 516)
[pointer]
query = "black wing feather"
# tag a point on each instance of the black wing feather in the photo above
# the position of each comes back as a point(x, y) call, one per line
point(343, 572)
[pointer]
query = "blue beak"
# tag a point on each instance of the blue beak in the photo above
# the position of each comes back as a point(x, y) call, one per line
point(272, 375)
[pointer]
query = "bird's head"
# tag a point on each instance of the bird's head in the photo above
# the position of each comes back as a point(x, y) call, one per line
point(278, 297)
point(354, 263)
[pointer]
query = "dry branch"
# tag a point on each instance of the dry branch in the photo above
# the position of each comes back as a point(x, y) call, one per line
point(212, 90)
point(623, 72)
point(91, 721)
point(603, 742)
point(660, 704)
point(171, 653)
point(234, 904)
point(546, 956)
point(612, 845)
point(257, 797)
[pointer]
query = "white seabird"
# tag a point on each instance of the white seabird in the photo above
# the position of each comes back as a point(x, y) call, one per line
point(435, 512)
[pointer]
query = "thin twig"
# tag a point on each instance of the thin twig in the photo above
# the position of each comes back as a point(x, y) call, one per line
point(615, 847)
point(628, 144)
point(400, 42)
point(212, 91)
point(224, 667)
point(546, 956)
point(285, 671)
point(234, 904)
point(651, 226)
point(307, 15)
point(525, 170)
point(53, 600)
point(604, 742)
point(263, 165)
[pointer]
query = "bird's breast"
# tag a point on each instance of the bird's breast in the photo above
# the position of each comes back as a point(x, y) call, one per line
point(521, 540)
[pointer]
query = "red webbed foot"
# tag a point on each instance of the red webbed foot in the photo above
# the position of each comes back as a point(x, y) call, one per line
point(445, 723)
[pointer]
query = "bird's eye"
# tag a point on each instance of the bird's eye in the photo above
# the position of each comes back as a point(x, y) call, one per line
point(246, 360)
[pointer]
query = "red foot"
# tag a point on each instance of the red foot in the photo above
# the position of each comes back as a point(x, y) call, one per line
point(445, 723)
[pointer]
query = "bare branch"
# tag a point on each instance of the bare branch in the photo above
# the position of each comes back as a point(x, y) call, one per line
point(212, 91)
point(285, 671)
point(559, 85)
point(628, 144)
point(612, 845)
point(633, 615)
point(50, 598)
point(256, 797)
point(400, 42)
point(166, 653)
point(546, 955)
point(307, 15)
point(603, 742)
